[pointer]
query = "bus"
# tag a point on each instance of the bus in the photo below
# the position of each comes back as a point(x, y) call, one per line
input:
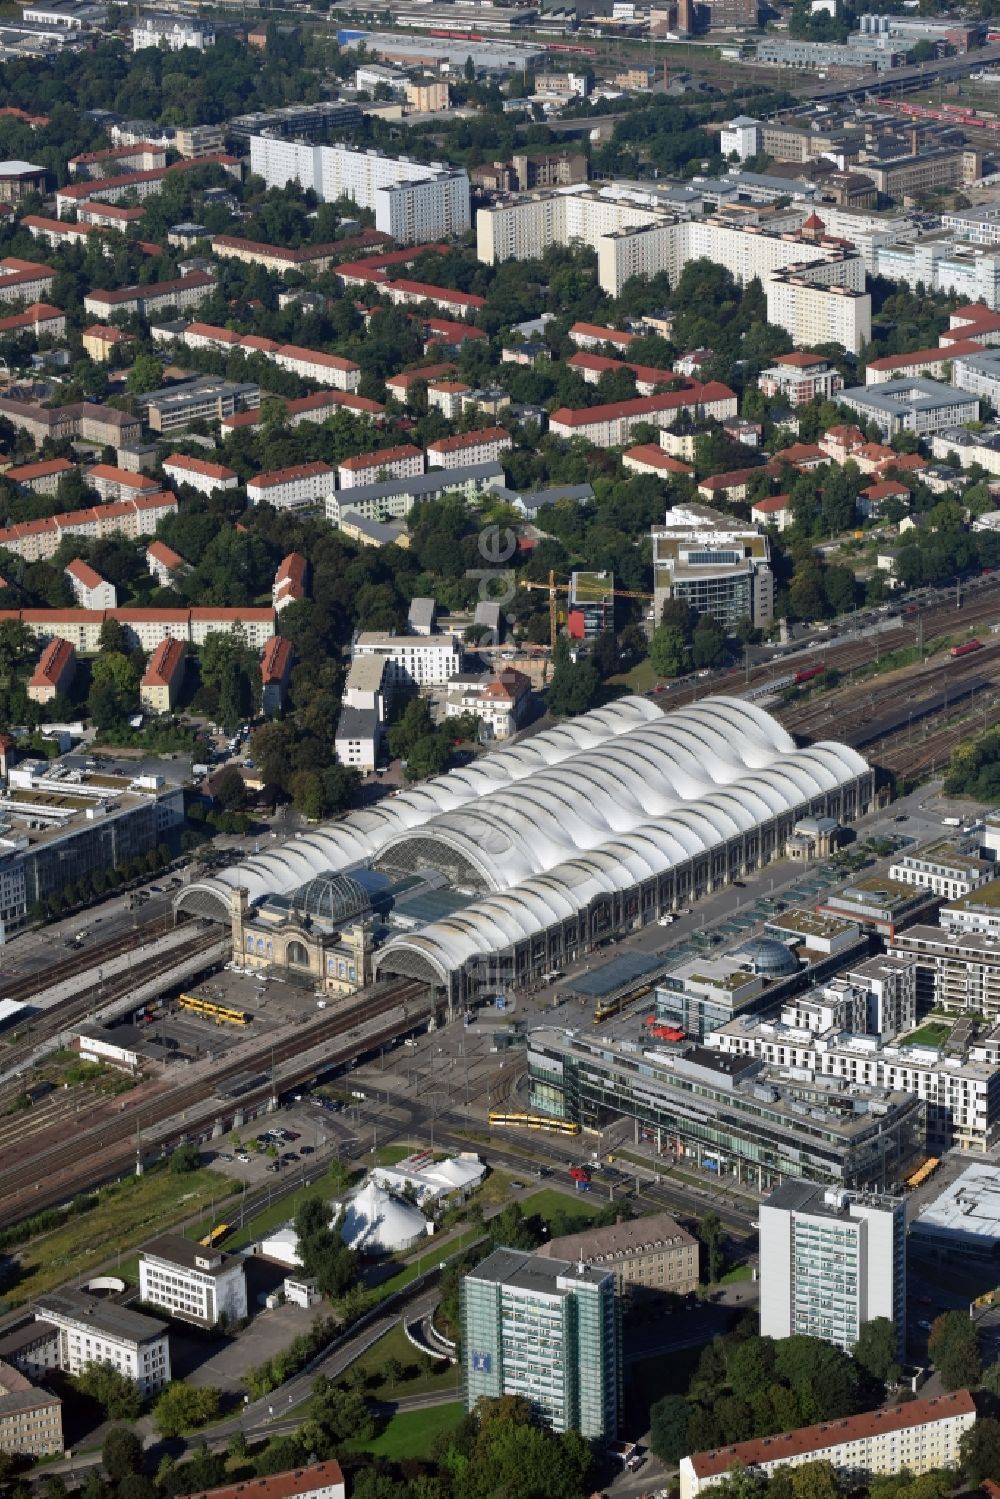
point(923, 1173)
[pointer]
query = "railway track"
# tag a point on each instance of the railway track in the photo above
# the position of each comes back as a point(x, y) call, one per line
point(840, 713)
point(106, 1147)
point(26, 988)
point(70, 1011)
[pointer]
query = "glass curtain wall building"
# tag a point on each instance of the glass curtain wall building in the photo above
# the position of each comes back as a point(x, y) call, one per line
point(546, 1330)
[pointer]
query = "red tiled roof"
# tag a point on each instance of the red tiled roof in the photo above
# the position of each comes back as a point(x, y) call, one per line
point(154, 290)
point(115, 153)
point(293, 567)
point(649, 374)
point(771, 505)
point(801, 361)
point(924, 356)
point(316, 356)
point(698, 395)
point(38, 312)
point(885, 490)
point(160, 552)
point(253, 616)
point(84, 573)
point(606, 335)
point(451, 332)
point(432, 293)
point(25, 472)
point(380, 459)
point(276, 659)
point(287, 475)
point(52, 663)
point(199, 466)
point(651, 453)
point(113, 211)
point(164, 663)
point(805, 1439)
point(802, 452)
point(106, 332)
point(468, 440)
point(123, 476)
point(343, 398)
point(132, 179)
point(406, 378)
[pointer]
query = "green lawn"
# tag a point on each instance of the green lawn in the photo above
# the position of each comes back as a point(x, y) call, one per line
point(933, 1033)
point(413, 1433)
point(641, 678)
point(395, 1344)
point(737, 1273)
point(128, 1213)
point(548, 1202)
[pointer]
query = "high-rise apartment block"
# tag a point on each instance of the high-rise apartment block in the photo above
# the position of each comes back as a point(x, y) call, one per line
point(815, 289)
point(830, 1261)
point(547, 1330)
point(413, 201)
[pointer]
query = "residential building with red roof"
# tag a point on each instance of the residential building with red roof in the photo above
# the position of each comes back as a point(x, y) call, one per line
point(400, 462)
point(647, 377)
point(774, 510)
point(108, 215)
point(873, 500)
point(415, 293)
point(649, 458)
point(40, 319)
point(207, 478)
point(802, 455)
point(400, 385)
point(163, 676)
point(323, 403)
point(144, 156)
point(934, 363)
point(163, 563)
point(318, 1481)
point(610, 426)
point(42, 477)
point(484, 446)
point(120, 483)
point(799, 378)
point(289, 581)
point(314, 364)
point(275, 670)
point(916, 1438)
point(840, 443)
point(100, 341)
point(54, 673)
point(90, 590)
point(594, 336)
point(138, 184)
point(442, 333)
point(24, 280)
point(292, 488)
point(733, 487)
point(38, 540)
point(974, 322)
point(145, 301)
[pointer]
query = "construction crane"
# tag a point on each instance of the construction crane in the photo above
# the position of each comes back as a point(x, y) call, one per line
point(552, 588)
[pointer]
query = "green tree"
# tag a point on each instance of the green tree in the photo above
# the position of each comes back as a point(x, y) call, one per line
point(145, 375)
point(121, 1453)
point(710, 1234)
point(229, 790)
point(708, 643)
point(668, 1428)
point(980, 1449)
point(184, 1407)
point(954, 1346)
point(876, 1348)
point(574, 686)
point(117, 1396)
point(185, 1158)
point(668, 653)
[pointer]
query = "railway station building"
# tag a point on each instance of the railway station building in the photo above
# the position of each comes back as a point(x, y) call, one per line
point(515, 865)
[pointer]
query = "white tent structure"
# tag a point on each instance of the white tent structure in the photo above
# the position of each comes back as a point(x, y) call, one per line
point(376, 1222)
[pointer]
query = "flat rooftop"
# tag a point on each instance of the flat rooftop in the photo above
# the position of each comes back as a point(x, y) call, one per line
point(811, 924)
point(531, 1272)
point(968, 1208)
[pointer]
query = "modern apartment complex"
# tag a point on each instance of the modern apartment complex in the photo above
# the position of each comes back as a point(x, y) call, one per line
point(944, 871)
point(918, 1437)
point(412, 201)
point(548, 1331)
point(714, 563)
point(956, 970)
point(830, 1261)
point(412, 660)
point(186, 1279)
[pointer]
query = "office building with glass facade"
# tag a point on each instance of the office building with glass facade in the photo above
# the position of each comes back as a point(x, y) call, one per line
point(830, 1261)
point(547, 1330)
